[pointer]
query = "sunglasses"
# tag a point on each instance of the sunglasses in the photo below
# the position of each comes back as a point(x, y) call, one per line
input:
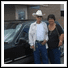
point(39, 16)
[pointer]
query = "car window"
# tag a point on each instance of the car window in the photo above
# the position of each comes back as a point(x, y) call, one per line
point(25, 31)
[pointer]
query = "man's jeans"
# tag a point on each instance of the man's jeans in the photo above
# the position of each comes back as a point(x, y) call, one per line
point(40, 51)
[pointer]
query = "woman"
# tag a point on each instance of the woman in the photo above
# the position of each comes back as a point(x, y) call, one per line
point(54, 30)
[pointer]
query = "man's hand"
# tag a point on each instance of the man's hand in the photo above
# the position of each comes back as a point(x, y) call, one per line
point(32, 47)
point(43, 43)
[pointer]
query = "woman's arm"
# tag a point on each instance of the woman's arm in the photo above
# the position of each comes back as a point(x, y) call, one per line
point(61, 39)
point(61, 33)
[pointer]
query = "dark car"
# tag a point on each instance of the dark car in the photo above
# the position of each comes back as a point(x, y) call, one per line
point(16, 44)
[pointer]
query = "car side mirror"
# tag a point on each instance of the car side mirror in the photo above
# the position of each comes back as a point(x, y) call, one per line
point(21, 41)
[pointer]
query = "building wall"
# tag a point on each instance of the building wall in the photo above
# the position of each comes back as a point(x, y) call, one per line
point(20, 8)
point(9, 12)
point(50, 9)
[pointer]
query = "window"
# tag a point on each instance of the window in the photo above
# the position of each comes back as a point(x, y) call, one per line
point(35, 7)
point(62, 9)
point(62, 13)
point(21, 15)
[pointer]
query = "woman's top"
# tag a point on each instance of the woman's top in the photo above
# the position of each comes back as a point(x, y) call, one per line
point(53, 37)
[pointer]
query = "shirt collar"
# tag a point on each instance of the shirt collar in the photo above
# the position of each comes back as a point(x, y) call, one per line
point(36, 22)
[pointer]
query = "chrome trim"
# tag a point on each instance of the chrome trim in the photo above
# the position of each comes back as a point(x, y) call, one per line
point(8, 61)
point(15, 59)
point(20, 57)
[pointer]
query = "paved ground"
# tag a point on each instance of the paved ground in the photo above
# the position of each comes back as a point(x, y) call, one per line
point(62, 60)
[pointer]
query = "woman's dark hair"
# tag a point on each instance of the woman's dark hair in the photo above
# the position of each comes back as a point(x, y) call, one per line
point(51, 16)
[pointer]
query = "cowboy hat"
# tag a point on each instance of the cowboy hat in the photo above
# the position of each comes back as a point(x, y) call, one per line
point(38, 13)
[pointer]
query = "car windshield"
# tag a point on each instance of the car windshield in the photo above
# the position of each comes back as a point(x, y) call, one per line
point(11, 32)
point(24, 32)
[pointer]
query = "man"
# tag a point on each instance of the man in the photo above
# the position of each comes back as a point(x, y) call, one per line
point(38, 36)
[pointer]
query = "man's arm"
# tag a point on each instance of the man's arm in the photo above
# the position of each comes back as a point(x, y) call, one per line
point(31, 38)
point(61, 33)
point(46, 33)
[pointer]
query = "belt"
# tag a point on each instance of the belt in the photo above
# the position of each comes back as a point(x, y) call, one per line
point(39, 41)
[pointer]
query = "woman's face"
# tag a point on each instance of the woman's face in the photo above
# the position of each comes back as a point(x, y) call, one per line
point(51, 21)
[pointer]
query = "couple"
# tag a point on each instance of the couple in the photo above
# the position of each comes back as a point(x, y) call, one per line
point(40, 34)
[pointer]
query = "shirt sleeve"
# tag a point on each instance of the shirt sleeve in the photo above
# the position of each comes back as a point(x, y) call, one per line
point(46, 33)
point(60, 30)
point(30, 36)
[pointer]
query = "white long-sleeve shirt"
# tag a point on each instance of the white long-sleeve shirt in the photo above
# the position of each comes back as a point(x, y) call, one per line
point(33, 32)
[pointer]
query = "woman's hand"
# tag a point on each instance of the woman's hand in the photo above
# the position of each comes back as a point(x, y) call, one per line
point(61, 39)
point(60, 43)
